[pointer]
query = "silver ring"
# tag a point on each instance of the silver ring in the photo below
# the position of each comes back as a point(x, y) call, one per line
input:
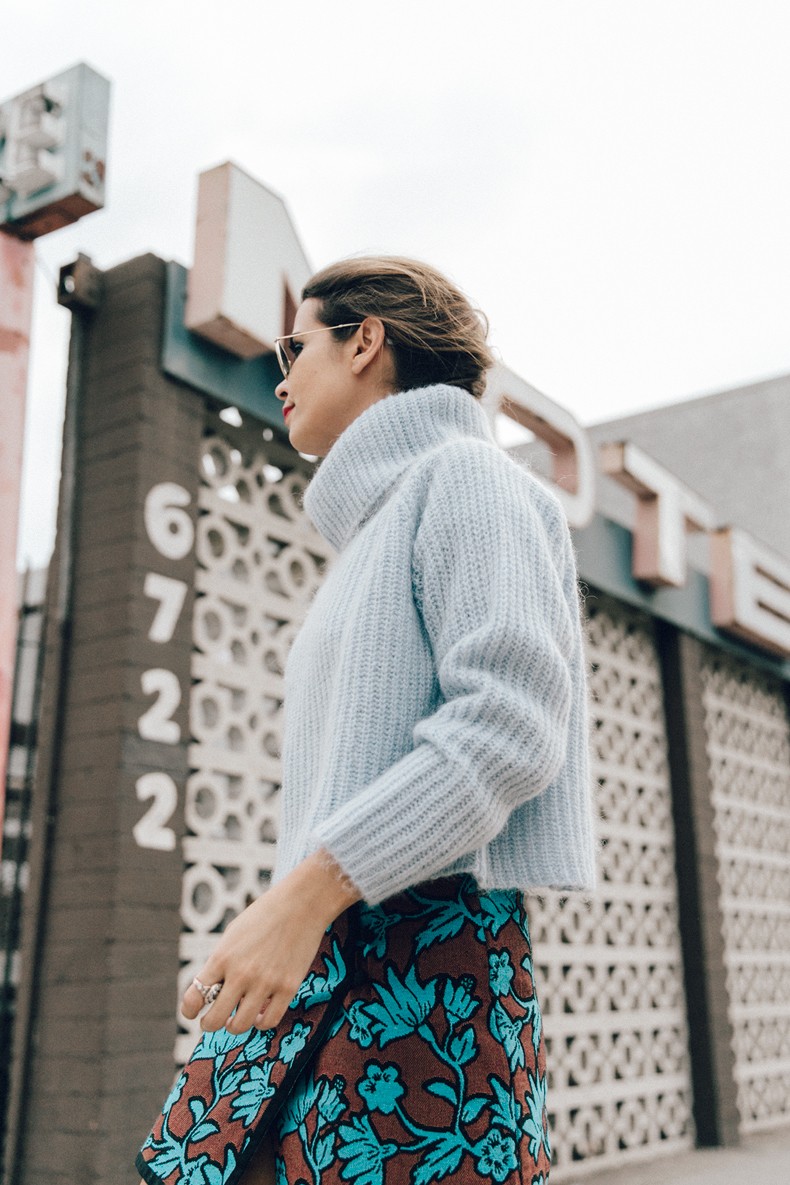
point(209, 994)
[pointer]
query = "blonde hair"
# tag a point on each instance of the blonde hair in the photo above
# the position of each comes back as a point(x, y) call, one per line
point(435, 334)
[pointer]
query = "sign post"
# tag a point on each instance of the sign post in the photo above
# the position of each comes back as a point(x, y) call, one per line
point(16, 300)
point(53, 147)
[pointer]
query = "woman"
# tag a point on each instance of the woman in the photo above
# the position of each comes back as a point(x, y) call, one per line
point(373, 1017)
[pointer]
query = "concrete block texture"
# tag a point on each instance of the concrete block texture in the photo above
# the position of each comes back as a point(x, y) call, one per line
point(99, 957)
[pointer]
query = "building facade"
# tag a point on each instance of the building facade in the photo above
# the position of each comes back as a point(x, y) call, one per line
point(190, 565)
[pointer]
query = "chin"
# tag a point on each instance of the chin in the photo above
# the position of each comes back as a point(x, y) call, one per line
point(296, 442)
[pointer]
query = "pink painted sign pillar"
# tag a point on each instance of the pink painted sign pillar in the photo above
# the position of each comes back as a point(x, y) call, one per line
point(16, 305)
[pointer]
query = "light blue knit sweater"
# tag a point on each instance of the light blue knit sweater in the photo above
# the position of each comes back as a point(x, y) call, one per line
point(436, 710)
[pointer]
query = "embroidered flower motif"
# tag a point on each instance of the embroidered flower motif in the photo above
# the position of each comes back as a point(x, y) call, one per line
point(535, 1126)
point(459, 1003)
point(500, 971)
point(299, 1103)
point(508, 1032)
point(496, 1155)
point(294, 1042)
point(376, 922)
point(258, 1046)
point(403, 1008)
point(252, 1093)
point(463, 1046)
point(360, 1025)
point(505, 1107)
point(360, 1147)
point(380, 1088)
point(331, 1101)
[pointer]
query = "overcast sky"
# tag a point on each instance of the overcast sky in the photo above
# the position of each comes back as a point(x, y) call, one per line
point(608, 179)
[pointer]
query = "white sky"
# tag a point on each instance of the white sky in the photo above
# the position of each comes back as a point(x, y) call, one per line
point(608, 179)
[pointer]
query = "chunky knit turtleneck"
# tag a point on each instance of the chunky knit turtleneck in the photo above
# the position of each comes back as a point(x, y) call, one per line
point(436, 712)
point(375, 449)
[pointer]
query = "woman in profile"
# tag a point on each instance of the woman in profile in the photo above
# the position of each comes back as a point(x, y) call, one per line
point(373, 1018)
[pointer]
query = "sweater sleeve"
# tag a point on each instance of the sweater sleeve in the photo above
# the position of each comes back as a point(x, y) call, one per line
point(488, 560)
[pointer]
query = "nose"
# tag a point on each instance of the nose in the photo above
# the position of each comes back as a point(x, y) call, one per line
point(281, 390)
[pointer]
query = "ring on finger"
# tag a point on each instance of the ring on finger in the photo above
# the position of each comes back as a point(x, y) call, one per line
point(209, 993)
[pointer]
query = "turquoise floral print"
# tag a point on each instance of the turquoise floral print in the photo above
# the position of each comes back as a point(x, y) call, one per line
point(439, 1059)
point(360, 1025)
point(381, 1088)
point(500, 972)
point(294, 1042)
point(375, 924)
point(459, 1003)
point(496, 1155)
point(330, 1100)
point(497, 1134)
point(533, 1123)
point(363, 1153)
point(209, 1118)
point(404, 1006)
point(252, 1093)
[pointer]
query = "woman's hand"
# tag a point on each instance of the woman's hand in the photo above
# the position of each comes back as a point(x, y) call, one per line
point(266, 952)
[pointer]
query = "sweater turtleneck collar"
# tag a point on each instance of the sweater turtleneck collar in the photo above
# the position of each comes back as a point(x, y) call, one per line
point(374, 450)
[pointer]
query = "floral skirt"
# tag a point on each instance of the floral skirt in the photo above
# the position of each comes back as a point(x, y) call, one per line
point(412, 1053)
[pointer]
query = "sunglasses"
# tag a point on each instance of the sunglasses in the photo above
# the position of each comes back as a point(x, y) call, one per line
point(285, 353)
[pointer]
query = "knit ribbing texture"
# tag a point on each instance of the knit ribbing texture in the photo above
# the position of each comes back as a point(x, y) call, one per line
point(436, 715)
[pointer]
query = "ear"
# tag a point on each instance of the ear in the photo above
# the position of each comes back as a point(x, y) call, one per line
point(368, 344)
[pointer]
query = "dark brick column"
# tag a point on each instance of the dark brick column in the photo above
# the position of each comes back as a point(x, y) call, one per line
point(93, 1043)
point(710, 1030)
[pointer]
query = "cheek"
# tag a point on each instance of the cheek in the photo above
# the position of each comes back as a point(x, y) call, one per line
point(321, 385)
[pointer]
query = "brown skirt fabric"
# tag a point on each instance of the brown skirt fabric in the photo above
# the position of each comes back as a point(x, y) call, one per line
point(412, 1053)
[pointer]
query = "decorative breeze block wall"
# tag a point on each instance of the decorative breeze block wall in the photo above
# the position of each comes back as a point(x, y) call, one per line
point(610, 973)
point(259, 562)
point(748, 745)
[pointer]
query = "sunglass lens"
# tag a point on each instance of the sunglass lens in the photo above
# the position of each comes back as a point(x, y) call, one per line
point(284, 356)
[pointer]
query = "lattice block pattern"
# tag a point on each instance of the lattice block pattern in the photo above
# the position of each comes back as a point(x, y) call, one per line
point(609, 972)
point(766, 1095)
point(769, 1035)
point(259, 564)
point(758, 930)
point(748, 744)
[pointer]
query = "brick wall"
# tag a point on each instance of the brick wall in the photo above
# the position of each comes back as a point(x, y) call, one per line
point(95, 1022)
